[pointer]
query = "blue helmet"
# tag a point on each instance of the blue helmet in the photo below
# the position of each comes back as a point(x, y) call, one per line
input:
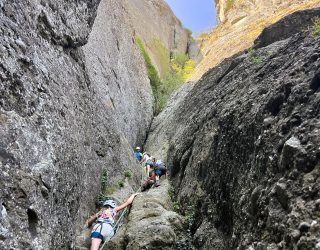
point(110, 203)
point(159, 162)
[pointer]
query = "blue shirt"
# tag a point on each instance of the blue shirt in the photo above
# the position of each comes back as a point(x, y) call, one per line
point(138, 156)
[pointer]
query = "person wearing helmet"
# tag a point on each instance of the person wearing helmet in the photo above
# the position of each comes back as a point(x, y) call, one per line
point(103, 228)
point(138, 154)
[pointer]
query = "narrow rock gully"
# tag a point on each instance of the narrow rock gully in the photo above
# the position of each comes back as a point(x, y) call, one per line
point(149, 223)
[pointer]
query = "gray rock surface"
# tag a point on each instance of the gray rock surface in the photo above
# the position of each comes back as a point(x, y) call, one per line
point(242, 145)
point(57, 129)
point(117, 72)
point(286, 27)
point(151, 223)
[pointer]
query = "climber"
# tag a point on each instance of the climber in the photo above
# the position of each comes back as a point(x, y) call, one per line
point(103, 228)
point(149, 163)
point(159, 170)
point(145, 157)
point(149, 181)
point(138, 154)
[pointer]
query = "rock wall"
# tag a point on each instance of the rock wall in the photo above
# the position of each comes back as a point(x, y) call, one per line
point(243, 147)
point(60, 116)
point(242, 21)
point(117, 71)
point(161, 31)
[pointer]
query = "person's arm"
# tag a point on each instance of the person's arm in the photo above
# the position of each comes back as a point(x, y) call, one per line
point(127, 203)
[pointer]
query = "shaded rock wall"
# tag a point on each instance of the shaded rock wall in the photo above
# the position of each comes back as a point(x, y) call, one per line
point(243, 148)
point(242, 21)
point(117, 71)
point(58, 125)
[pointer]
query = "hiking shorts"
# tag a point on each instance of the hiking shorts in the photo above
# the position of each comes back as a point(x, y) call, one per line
point(102, 230)
point(160, 172)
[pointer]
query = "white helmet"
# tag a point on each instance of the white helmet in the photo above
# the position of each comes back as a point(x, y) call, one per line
point(110, 203)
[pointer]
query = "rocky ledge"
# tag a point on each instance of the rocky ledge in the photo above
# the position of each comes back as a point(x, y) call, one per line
point(151, 223)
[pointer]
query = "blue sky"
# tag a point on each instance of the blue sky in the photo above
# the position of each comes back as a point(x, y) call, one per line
point(197, 15)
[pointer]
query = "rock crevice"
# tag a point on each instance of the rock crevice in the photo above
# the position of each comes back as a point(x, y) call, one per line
point(242, 144)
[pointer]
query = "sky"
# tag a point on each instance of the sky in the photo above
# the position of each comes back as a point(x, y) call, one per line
point(197, 15)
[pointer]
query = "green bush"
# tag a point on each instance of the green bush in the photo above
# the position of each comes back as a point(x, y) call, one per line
point(162, 56)
point(189, 32)
point(254, 58)
point(179, 69)
point(128, 174)
point(106, 189)
point(190, 213)
point(316, 27)
point(121, 184)
point(152, 73)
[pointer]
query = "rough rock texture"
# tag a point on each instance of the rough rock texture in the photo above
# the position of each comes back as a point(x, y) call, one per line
point(286, 27)
point(57, 129)
point(242, 21)
point(243, 147)
point(117, 70)
point(151, 223)
point(161, 31)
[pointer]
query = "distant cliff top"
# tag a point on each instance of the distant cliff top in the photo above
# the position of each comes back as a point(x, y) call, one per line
point(241, 21)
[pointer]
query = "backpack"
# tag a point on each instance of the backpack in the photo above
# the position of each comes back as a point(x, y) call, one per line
point(160, 165)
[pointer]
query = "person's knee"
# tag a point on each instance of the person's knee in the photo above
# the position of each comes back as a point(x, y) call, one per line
point(95, 243)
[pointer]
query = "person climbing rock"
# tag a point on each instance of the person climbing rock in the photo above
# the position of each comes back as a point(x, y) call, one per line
point(149, 181)
point(138, 154)
point(104, 220)
point(145, 156)
point(159, 170)
point(148, 164)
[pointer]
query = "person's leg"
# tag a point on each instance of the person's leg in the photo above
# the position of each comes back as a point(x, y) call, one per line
point(96, 236)
point(157, 172)
point(148, 170)
point(95, 243)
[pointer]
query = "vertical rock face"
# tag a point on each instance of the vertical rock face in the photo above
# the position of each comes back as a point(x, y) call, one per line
point(154, 22)
point(60, 116)
point(243, 147)
point(117, 72)
point(242, 21)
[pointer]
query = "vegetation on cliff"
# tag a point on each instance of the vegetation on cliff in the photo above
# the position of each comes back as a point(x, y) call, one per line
point(316, 27)
point(178, 70)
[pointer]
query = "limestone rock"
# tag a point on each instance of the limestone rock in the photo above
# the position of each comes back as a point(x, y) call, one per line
point(58, 125)
point(117, 72)
point(151, 223)
point(229, 134)
point(242, 21)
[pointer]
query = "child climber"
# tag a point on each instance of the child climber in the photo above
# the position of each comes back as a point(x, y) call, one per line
point(138, 154)
point(103, 228)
